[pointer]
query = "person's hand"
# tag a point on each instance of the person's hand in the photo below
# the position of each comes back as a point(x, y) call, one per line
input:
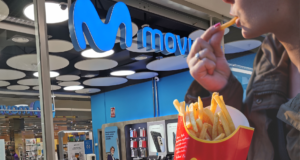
point(210, 69)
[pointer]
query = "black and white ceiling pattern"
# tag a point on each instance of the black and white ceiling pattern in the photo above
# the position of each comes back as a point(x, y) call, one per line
point(18, 58)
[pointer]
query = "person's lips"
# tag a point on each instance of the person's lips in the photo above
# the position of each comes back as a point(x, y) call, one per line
point(238, 22)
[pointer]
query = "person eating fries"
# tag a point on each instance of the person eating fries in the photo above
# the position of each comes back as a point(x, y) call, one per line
point(272, 103)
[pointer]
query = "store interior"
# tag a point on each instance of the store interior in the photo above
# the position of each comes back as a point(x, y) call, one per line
point(86, 86)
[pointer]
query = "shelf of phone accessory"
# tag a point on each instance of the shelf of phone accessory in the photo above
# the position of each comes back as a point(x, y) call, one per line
point(136, 141)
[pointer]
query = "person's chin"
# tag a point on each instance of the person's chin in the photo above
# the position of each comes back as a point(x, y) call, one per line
point(247, 34)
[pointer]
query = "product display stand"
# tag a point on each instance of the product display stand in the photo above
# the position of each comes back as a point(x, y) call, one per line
point(61, 147)
point(31, 149)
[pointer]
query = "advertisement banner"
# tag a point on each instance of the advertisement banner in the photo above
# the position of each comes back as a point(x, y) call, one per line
point(112, 143)
point(88, 146)
point(76, 150)
point(171, 132)
point(156, 138)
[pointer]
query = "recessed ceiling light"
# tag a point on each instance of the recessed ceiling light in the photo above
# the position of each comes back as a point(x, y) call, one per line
point(73, 88)
point(52, 74)
point(122, 73)
point(20, 39)
point(90, 53)
point(141, 57)
point(55, 13)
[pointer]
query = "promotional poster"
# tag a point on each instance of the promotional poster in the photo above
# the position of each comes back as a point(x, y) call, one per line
point(156, 138)
point(75, 150)
point(112, 143)
point(171, 132)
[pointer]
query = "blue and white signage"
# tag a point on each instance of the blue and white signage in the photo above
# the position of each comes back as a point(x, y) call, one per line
point(34, 108)
point(84, 20)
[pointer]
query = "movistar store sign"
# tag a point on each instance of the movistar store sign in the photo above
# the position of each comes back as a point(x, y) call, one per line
point(84, 20)
point(33, 109)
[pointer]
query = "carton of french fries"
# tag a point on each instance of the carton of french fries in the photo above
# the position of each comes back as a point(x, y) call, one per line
point(216, 132)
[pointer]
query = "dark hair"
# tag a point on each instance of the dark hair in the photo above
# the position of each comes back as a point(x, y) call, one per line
point(112, 148)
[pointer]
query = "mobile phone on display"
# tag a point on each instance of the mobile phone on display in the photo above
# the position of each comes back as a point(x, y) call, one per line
point(155, 136)
point(174, 139)
point(161, 142)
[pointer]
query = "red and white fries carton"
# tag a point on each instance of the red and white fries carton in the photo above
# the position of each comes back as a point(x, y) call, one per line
point(233, 147)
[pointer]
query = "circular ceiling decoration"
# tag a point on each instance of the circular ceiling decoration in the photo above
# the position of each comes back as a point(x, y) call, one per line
point(54, 12)
point(105, 81)
point(199, 32)
point(4, 10)
point(17, 87)
point(122, 73)
point(96, 64)
point(168, 64)
point(88, 90)
point(8, 74)
point(67, 78)
point(52, 74)
point(53, 87)
point(241, 46)
point(134, 47)
point(142, 75)
point(4, 83)
point(90, 53)
point(28, 62)
point(71, 83)
point(29, 82)
point(57, 45)
point(73, 88)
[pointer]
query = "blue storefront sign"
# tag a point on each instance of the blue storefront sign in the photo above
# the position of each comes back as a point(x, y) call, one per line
point(88, 146)
point(84, 20)
point(35, 109)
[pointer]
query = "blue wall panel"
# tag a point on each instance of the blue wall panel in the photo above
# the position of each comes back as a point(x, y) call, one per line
point(170, 88)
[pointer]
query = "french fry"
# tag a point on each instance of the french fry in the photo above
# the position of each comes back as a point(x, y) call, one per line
point(182, 107)
point(199, 124)
point(177, 105)
point(220, 129)
point(226, 113)
point(193, 133)
point(207, 137)
point(187, 120)
point(215, 126)
point(209, 129)
point(214, 104)
point(221, 136)
point(203, 131)
point(228, 24)
point(200, 108)
point(192, 119)
point(209, 114)
point(224, 123)
point(195, 109)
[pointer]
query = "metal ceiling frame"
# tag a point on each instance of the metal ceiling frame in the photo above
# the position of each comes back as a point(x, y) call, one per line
point(167, 12)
